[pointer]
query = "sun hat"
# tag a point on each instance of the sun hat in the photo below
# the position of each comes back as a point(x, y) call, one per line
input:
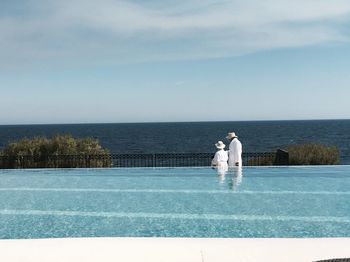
point(231, 135)
point(220, 145)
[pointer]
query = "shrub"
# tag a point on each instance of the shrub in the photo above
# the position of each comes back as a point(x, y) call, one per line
point(59, 151)
point(313, 154)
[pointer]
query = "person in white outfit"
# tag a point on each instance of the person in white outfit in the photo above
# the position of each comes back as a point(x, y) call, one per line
point(235, 151)
point(221, 157)
point(220, 161)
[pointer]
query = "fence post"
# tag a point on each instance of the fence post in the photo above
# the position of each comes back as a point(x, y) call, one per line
point(282, 158)
point(153, 160)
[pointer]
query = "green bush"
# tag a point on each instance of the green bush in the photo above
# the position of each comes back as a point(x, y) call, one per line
point(313, 154)
point(59, 151)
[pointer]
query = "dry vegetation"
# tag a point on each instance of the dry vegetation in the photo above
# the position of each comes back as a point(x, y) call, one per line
point(313, 154)
point(59, 151)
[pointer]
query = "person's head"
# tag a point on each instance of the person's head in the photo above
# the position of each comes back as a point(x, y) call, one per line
point(230, 136)
point(220, 145)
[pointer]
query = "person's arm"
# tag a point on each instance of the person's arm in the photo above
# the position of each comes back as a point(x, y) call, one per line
point(238, 152)
point(214, 162)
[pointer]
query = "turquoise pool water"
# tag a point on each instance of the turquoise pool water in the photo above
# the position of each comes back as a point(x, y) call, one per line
point(178, 202)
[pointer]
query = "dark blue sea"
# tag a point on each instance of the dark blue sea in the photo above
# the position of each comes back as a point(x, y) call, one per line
point(256, 136)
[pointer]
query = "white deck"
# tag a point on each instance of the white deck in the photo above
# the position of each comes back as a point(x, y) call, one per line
point(173, 249)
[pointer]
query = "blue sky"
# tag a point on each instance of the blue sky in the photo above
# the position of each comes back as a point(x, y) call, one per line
point(74, 61)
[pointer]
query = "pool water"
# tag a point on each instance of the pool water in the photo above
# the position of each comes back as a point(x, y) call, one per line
point(175, 202)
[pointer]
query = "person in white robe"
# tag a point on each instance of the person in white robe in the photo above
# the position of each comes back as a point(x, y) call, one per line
point(221, 157)
point(235, 151)
point(220, 161)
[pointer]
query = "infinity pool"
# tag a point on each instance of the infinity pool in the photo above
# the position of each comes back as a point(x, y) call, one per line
point(178, 202)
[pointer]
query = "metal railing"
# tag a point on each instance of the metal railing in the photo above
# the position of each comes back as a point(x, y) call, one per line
point(185, 159)
point(136, 160)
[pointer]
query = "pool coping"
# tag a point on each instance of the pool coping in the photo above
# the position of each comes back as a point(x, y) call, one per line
point(183, 167)
point(174, 249)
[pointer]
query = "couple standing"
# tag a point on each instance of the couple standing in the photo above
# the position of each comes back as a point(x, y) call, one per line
point(233, 155)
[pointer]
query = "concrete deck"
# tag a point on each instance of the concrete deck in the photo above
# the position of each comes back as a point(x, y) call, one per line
point(173, 249)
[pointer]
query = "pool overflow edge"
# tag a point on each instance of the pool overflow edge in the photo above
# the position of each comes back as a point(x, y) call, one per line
point(278, 158)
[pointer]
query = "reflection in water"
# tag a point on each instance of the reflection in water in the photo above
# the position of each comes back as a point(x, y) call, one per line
point(235, 175)
point(221, 171)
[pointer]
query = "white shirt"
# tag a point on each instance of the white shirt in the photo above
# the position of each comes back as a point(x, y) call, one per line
point(235, 153)
point(220, 158)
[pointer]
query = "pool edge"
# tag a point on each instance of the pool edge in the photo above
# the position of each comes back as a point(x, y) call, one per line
point(174, 249)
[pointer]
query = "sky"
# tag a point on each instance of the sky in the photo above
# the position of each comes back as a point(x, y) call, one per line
point(110, 61)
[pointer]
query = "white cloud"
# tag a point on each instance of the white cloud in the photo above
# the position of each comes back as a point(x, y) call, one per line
point(89, 31)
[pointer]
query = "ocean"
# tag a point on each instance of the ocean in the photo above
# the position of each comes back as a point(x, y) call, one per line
point(185, 137)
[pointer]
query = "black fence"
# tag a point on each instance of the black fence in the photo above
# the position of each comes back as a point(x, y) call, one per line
point(194, 159)
point(137, 160)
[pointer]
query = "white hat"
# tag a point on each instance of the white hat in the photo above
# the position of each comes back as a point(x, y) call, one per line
point(220, 145)
point(231, 135)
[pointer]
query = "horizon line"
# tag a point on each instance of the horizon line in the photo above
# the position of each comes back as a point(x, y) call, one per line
point(169, 122)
